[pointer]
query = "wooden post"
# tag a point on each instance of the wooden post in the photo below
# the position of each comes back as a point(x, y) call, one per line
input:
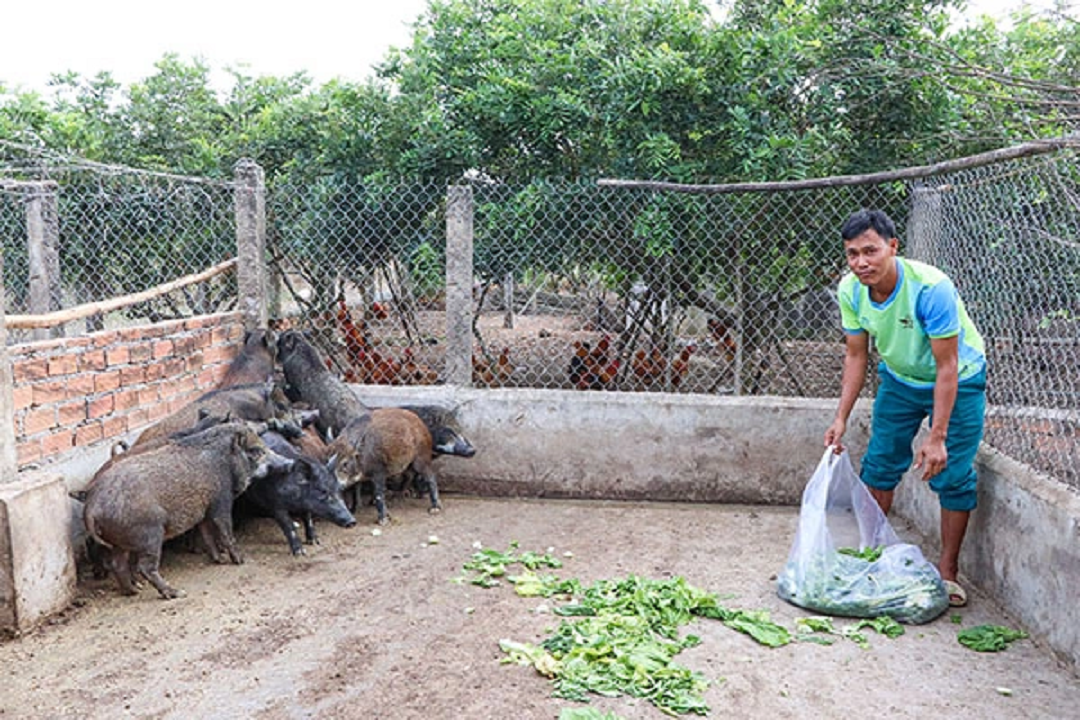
point(43, 250)
point(251, 243)
point(459, 285)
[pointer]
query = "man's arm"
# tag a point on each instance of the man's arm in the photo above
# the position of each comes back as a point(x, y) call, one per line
point(856, 357)
point(933, 456)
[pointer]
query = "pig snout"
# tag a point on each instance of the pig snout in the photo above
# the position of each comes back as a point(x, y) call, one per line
point(455, 445)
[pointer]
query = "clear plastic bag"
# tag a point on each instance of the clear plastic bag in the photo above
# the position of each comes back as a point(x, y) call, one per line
point(847, 560)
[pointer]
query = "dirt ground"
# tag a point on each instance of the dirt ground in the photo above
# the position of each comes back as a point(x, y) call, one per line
point(373, 626)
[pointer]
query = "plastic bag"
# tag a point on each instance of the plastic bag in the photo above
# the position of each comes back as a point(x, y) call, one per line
point(846, 558)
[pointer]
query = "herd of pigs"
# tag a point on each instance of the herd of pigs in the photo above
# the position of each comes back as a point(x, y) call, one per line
point(280, 436)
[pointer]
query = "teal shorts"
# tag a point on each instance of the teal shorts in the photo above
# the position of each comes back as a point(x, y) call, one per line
point(899, 410)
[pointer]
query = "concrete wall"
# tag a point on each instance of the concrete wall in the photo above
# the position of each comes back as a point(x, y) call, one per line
point(1022, 546)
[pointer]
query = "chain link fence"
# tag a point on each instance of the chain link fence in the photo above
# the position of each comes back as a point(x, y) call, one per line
point(76, 233)
point(583, 287)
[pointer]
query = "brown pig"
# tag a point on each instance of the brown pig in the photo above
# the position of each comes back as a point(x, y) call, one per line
point(254, 363)
point(141, 500)
point(384, 445)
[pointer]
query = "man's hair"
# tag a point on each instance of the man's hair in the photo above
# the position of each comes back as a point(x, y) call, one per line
point(862, 220)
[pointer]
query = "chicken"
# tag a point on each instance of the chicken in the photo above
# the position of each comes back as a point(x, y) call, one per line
point(578, 363)
point(383, 369)
point(482, 372)
point(724, 335)
point(503, 367)
point(356, 343)
point(414, 373)
point(648, 365)
point(680, 366)
point(379, 311)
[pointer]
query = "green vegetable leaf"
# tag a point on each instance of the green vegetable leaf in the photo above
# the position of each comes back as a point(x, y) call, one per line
point(989, 638)
point(869, 554)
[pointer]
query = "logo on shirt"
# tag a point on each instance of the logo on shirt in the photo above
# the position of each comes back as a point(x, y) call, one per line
point(906, 323)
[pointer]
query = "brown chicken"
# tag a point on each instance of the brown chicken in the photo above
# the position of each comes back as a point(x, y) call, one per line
point(414, 373)
point(648, 365)
point(492, 374)
point(356, 344)
point(680, 366)
point(724, 336)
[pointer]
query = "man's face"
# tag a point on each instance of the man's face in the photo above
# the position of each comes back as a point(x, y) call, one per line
point(870, 257)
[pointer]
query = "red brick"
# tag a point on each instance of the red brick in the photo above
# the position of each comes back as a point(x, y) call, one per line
point(184, 345)
point(202, 321)
point(23, 396)
point(126, 399)
point(92, 360)
point(177, 366)
point(89, 434)
point(140, 353)
point(28, 451)
point(71, 413)
point(203, 339)
point(37, 420)
point(80, 385)
point(219, 335)
point(137, 419)
point(194, 362)
point(104, 382)
point(162, 349)
point(132, 376)
point(172, 327)
point(105, 338)
point(30, 370)
point(113, 426)
point(148, 396)
point(49, 392)
point(57, 443)
point(99, 407)
point(131, 334)
point(154, 372)
point(63, 365)
point(117, 356)
point(158, 411)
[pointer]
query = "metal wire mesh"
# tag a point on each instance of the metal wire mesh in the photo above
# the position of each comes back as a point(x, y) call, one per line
point(112, 231)
point(362, 268)
point(1010, 238)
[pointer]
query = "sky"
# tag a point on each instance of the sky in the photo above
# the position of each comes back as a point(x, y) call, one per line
point(325, 38)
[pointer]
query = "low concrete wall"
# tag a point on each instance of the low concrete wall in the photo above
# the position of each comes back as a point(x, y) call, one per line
point(632, 446)
point(37, 566)
point(1022, 547)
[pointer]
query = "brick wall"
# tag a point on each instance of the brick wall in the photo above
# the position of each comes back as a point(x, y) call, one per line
point(75, 392)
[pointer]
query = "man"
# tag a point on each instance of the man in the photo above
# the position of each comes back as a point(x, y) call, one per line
point(933, 365)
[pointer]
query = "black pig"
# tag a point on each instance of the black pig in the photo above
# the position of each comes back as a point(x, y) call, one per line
point(243, 402)
point(309, 489)
point(307, 379)
point(143, 499)
point(255, 362)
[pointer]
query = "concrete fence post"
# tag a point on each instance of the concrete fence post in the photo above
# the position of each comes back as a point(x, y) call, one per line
point(924, 230)
point(251, 271)
point(459, 285)
point(8, 460)
point(43, 250)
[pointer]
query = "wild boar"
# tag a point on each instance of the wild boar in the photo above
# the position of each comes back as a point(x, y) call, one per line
point(143, 499)
point(243, 402)
point(308, 379)
point(384, 445)
point(309, 489)
point(446, 434)
point(255, 362)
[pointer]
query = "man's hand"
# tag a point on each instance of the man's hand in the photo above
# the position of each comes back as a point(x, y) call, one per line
point(932, 457)
point(834, 433)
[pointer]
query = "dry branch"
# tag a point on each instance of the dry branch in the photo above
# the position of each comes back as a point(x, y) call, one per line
point(1037, 147)
point(59, 317)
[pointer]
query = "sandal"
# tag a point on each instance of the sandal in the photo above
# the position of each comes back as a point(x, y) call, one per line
point(957, 596)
